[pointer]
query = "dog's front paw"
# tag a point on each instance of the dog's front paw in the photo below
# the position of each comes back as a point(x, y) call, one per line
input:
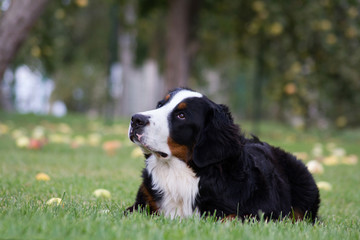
point(129, 210)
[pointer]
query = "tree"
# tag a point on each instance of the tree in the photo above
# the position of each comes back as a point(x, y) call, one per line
point(181, 19)
point(68, 45)
point(15, 26)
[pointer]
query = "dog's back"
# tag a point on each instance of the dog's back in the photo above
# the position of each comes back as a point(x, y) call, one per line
point(289, 186)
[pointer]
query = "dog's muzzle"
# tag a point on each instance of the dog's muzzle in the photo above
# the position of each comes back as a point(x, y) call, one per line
point(136, 133)
point(137, 125)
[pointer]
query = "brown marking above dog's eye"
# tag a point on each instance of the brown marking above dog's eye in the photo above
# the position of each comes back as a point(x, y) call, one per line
point(181, 105)
point(178, 150)
point(167, 97)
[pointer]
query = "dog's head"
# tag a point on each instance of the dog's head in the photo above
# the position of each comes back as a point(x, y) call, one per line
point(188, 126)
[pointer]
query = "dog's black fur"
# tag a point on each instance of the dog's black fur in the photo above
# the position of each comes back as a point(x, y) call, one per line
point(239, 177)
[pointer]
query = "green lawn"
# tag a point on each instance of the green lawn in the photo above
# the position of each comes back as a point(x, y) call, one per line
point(77, 169)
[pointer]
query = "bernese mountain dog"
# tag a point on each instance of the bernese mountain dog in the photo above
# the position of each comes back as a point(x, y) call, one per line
point(199, 162)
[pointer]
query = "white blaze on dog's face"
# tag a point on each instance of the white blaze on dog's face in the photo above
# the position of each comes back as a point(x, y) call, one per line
point(151, 129)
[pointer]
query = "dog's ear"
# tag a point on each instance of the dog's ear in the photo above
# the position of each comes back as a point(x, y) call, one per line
point(218, 140)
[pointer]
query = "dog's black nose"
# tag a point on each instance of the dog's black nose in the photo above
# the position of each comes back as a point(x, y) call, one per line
point(139, 121)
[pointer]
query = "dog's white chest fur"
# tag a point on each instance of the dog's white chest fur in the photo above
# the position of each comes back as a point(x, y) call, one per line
point(178, 184)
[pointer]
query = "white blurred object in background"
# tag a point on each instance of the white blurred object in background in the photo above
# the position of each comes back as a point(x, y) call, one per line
point(32, 92)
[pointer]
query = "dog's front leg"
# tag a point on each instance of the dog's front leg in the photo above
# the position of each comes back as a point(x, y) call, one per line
point(144, 201)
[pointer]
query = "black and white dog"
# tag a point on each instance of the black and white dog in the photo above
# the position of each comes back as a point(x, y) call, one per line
point(198, 162)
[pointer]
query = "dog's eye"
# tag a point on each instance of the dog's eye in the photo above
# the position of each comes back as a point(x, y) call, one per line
point(181, 116)
point(159, 105)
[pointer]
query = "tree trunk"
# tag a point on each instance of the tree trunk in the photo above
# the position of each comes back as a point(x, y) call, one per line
point(258, 83)
point(15, 26)
point(177, 37)
point(127, 48)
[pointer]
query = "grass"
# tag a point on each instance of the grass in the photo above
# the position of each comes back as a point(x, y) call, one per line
point(76, 172)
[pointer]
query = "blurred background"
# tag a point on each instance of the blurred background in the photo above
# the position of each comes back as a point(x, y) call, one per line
point(292, 61)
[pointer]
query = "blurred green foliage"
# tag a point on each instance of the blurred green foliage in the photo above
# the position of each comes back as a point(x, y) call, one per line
point(69, 43)
point(301, 57)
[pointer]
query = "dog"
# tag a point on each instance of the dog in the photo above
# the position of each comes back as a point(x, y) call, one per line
point(198, 162)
